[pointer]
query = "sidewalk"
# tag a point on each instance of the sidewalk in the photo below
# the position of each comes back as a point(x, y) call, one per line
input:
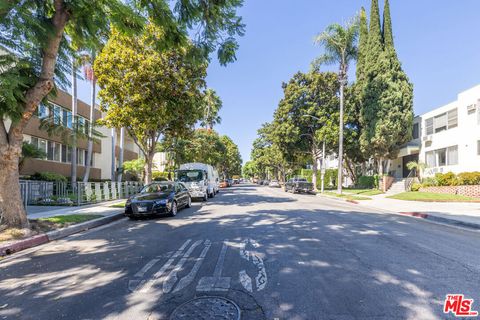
point(104, 209)
point(463, 212)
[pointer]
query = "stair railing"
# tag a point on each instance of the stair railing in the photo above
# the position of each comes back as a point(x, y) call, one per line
point(410, 179)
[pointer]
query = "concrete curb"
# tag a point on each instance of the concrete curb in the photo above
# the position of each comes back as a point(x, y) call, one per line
point(420, 215)
point(57, 234)
point(65, 232)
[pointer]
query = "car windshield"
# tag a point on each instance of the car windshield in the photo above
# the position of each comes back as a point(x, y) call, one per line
point(189, 175)
point(157, 187)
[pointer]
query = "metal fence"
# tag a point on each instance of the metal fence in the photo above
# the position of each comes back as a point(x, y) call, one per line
point(64, 193)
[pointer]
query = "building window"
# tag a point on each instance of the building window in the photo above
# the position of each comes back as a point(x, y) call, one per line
point(430, 159)
point(452, 116)
point(81, 157)
point(471, 109)
point(452, 155)
point(415, 131)
point(429, 125)
point(442, 157)
point(42, 111)
point(57, 115)
point(442, 122)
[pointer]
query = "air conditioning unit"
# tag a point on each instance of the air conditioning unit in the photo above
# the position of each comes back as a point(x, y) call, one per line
point(471, 108)
point(427, 138)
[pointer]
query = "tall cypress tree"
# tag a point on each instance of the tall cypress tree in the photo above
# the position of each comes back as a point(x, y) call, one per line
point(362, 47)
point(387, 107)
point(374, 66)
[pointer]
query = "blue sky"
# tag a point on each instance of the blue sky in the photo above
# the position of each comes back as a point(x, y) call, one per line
point(436, 40)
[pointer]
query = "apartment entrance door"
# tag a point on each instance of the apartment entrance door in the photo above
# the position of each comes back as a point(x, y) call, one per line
point(407, 159)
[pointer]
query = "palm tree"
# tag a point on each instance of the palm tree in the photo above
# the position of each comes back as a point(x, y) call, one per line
point(213, 104)
point(90, 76)
point(340, 46)
point(417, 166)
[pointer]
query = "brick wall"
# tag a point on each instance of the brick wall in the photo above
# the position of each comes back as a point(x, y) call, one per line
point(469, 191)
point(386, 182)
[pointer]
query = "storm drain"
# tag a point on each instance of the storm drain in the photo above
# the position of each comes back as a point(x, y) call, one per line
point(207, 308)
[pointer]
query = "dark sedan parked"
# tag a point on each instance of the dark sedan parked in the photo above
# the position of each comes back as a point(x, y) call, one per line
point(158, 198)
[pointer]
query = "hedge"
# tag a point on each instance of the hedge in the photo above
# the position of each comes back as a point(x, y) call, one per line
point(331, 176)
point(452, 179)
point(48, 176)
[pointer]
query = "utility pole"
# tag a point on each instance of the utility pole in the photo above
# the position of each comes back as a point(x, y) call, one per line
point(114, 138)
point(120, 154)
point(323, 167)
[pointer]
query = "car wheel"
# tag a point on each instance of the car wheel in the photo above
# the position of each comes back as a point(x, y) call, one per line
point(189, 202)
point(294, 190)
point(210, 195)
point(174, 209)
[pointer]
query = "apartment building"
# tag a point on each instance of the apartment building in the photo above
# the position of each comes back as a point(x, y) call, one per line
point(445, 139)
point(58, 154)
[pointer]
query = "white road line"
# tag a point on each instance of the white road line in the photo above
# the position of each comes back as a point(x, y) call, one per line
point(185, 281)
point(172, 278)
point(147, 267)
point(245, 280)
point(221, 259)
point(149, 284)
point(261, 278)
point(217, 282)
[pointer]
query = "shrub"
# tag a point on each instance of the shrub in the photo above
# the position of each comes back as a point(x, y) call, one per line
point(376, 181)
point(429, 182)
point(446, 179)
point(48, 176)
point(366, 182)
point(416, 186)
point(159, 176)
point(469, 178)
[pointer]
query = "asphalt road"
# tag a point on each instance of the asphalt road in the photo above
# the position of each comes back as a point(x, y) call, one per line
point(276, 255)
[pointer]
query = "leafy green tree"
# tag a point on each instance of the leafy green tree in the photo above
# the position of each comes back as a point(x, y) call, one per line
point(204, 146)
point(306, 116)
point(231, 163)
point(340, 45)
point(30, 151)
point(148, 92)
point(135, 167)
point(387, 95)
point(249, 170)
point(36, 39)
point(212, 106)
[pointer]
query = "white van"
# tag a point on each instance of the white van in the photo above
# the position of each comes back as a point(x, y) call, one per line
point(201, 179)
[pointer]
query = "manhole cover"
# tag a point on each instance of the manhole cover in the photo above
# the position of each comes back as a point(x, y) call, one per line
point(207, 308)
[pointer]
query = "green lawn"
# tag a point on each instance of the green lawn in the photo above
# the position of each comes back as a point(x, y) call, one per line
point(347, 196)
point(119, 205)
point(432, 197)
point(70, 219)
point(363, 192)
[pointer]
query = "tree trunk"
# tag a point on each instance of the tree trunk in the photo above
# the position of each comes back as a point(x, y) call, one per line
point(12, 211)
point(148, 169)
point(113, 164)
point(340, 141)
point(73, 168)
point(86, 176)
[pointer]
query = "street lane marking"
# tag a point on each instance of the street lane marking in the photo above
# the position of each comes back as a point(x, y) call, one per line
point(245, 280)
point(261, 278)
point(217, 282)
point(147, 267)
point(185, 281)
point(172, 278)
point(146, 286)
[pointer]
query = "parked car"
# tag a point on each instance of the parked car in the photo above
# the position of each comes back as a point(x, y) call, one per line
point(158, 198)
point(274, 184)
point(230, 182)
point(224, 184)
point(266, 182)
point(298, 185)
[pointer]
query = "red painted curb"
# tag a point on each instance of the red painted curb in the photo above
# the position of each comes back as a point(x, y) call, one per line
point(352, 201)
point(23, 244)
point(415, 214)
